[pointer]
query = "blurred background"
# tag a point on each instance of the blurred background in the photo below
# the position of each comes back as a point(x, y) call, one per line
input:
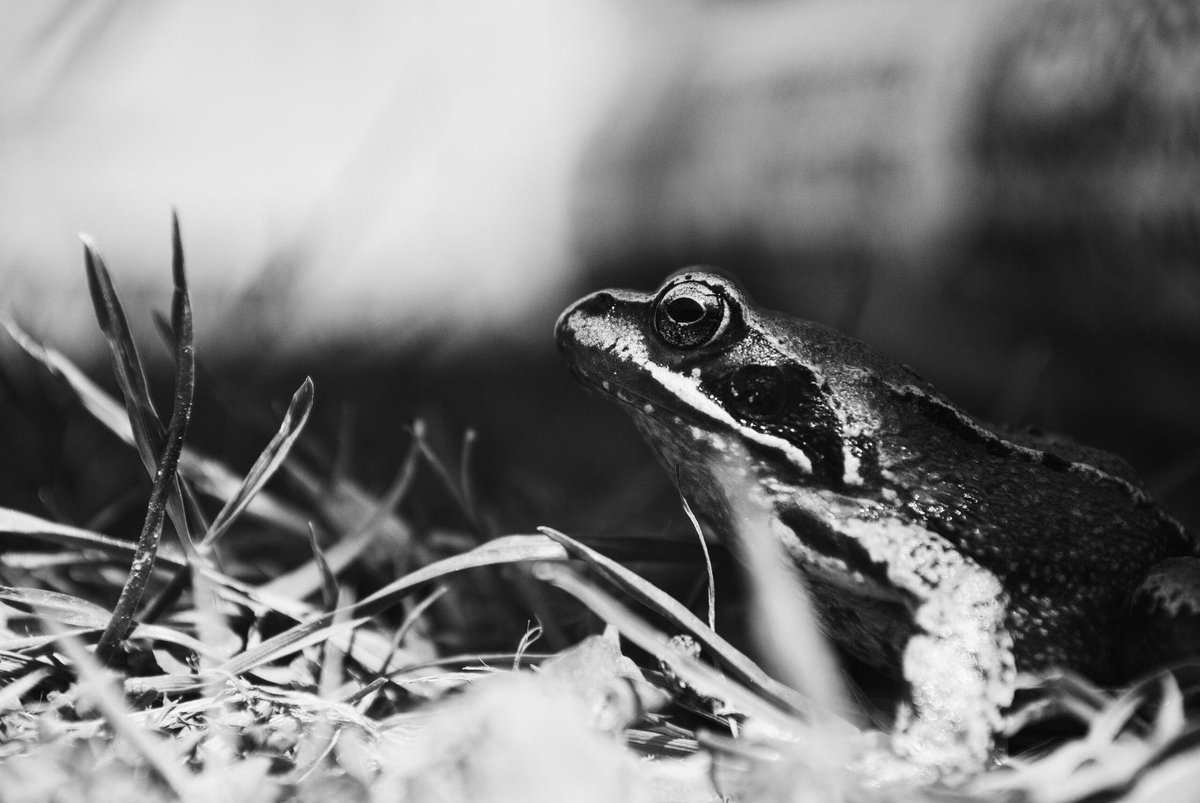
point(399, 197)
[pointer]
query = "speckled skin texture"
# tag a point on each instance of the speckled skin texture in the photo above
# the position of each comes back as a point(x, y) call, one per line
point(925, 535)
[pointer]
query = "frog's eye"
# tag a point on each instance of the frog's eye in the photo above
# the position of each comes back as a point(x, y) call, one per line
point(758, 391)
point(690, 314)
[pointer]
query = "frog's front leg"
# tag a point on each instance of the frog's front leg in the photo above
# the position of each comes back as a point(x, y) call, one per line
point(958, 665)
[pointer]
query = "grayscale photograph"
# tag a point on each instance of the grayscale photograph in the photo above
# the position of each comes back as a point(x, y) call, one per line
point(662, 401)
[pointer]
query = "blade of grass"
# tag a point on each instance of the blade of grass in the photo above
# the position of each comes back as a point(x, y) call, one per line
point(147, 428)
point(127, 365)
point(59, 607)
point(477, 661)
point(293, 640)
point(40, 561)
point(37, 644)
point(166, 684)
point(267, 463)
point(529, 595)
point(1171, 718)
point(532, 635)
point(509, 549)
point(209, 475)
point(781, 605)
point(736, 662)
point(102, 406)
point(14, 522)
point(148, 432)
point(699, 676)
point(329, 586)
point(457, 493)
point(169, 635)
point(332, 657)
point(358, 695)
point(301, 582)
point(153, 633)
point(185, 384)
point(147, 546)
point(410, 619)
point(211, 624)
point(708, 566)
point(466, 458)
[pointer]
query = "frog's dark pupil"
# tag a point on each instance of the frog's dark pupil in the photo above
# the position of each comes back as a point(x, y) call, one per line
point(759, 391)
point(685, 310)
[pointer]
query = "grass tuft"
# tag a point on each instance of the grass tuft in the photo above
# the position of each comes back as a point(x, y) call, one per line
point(148, 430)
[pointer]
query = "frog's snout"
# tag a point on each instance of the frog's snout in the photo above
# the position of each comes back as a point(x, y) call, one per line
point(578, 317)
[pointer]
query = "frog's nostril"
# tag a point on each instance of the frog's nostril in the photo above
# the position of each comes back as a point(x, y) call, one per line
point(600, 301)
point(577, 315)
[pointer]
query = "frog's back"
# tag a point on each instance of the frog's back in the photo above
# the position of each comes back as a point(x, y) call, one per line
point(1067, 528)
point(1071, 451)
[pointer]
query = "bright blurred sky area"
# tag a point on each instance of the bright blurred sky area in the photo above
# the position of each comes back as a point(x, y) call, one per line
point(386, 163)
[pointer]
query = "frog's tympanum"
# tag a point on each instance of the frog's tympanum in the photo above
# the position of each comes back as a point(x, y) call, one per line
point(941, 549)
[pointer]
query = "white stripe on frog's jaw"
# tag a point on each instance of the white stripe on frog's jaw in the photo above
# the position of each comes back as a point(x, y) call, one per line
point(686, 388)
point(628, 349)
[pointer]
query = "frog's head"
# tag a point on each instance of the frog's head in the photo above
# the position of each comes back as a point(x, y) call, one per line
point(705, 373)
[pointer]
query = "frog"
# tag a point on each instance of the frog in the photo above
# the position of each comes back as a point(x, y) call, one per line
point(947, 552)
